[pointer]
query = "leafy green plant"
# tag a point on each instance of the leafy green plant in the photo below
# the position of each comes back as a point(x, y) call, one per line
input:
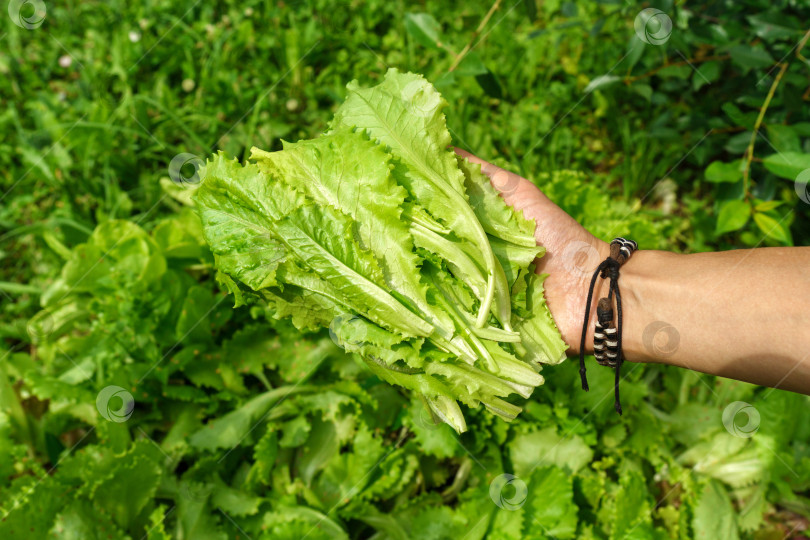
point(241, 425)
point(395, 253)
point(102, 96)
point(744, 147)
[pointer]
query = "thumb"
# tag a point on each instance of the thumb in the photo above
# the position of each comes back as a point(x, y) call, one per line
point(524, 196)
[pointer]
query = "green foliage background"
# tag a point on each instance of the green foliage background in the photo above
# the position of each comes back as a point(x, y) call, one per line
point(245, 429)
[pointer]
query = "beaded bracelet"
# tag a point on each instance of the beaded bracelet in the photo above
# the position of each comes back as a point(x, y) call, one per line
point(607, 337)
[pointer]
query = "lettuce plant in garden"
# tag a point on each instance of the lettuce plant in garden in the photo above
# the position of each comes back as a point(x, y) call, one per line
point(243, 426)
point(406, 252)
point(136, 402)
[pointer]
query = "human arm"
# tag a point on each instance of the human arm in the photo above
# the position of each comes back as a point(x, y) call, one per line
point(741, 314)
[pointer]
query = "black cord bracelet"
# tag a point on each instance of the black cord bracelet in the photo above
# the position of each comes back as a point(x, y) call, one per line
point(607, 337)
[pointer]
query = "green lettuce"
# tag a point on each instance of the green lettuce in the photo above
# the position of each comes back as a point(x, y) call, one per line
point(406, 253)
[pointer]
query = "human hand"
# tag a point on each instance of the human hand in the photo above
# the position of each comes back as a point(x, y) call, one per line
point(705, 311)
point(564, 239)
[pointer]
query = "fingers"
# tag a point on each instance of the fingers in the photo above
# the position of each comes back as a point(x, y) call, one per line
point(554, 228)
point(515, 190)
point(486, 167)
point(468, 156)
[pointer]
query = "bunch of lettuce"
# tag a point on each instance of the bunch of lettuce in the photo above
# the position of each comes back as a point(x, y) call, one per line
point(377, 230)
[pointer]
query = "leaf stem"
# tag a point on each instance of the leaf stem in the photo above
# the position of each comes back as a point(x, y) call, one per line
point(749, 152)
point(802, 43)
point(460, 56)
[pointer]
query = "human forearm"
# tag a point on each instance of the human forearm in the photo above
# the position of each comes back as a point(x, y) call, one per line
point(741, 314)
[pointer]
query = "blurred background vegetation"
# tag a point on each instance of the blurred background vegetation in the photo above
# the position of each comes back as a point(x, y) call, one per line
point(696, 141)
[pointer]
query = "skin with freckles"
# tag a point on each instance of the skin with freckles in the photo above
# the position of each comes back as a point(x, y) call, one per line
point(742, 314)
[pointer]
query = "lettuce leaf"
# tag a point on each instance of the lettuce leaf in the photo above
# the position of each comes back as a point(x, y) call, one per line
point(404, 113)
point(407, 254)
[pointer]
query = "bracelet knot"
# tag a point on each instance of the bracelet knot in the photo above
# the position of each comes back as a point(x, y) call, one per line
point(607, 337)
